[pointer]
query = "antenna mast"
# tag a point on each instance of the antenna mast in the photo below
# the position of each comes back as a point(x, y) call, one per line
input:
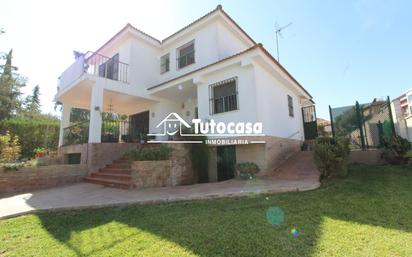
point(278, 32)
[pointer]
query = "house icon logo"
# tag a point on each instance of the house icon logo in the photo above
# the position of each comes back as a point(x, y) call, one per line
point(172, 124)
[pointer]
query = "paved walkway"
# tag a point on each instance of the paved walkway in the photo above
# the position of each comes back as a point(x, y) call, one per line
point(297, 174)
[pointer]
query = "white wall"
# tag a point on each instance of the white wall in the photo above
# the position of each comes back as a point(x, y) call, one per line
point(213, 42)
point(206, 51)
point(246, 95)
point(272, 107)
point(228, 42)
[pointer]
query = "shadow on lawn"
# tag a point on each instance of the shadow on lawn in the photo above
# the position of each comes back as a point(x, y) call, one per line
point(238, 227)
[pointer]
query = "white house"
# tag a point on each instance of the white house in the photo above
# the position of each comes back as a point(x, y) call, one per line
point(402, 114)
point(210, 69)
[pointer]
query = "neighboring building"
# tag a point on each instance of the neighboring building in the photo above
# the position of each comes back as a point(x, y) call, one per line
point(324, 127)
point(402, 114)
point(210, 69)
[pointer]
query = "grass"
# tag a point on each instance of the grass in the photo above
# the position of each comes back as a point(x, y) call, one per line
point(366, 214)
point(409, 154)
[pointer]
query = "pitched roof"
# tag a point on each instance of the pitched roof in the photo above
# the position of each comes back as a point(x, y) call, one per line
point(218, 8)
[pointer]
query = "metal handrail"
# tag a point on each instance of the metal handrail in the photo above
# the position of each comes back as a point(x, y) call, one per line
point(103, 66)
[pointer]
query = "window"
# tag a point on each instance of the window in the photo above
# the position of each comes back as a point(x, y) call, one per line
point(186, 55)
point(164, 63)
point(290, 106)
point(224, 96)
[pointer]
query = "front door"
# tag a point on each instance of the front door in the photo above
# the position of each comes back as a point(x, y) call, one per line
point(139, 126)
point(226, 160)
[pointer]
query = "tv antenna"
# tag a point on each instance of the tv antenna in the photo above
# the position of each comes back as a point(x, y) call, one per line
point(278, 32)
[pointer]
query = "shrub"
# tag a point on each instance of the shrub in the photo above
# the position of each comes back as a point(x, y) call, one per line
point(395, 149)
point(246, 170)
point(9, 148)
point(149, 153)
point(41, 152)
point(12, 166)
point(331, 156)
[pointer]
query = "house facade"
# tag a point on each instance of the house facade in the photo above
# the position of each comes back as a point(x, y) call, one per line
point(402, 114)
point(209, 70)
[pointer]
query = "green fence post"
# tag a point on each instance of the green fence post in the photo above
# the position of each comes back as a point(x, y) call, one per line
point(358, 114)
point(391, 117)
point(331, 122)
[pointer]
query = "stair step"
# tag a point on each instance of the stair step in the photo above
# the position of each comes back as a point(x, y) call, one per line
point(110, 182)
point(119, 165)
point(122, 161)
point(114, 176)
point(116, 171)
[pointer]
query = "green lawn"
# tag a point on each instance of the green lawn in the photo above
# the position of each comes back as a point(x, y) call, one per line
point(367, 214)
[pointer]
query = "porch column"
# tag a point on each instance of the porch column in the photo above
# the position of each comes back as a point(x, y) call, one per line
point(64, 122)
point(96, 107)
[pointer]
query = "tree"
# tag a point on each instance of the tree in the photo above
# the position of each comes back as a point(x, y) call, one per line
point(32, 102)
point(10, 84)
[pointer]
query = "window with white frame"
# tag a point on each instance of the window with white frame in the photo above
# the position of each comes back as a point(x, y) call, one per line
point(290, 106)
point(164, 63)
point(186, 55)
point(224, 96)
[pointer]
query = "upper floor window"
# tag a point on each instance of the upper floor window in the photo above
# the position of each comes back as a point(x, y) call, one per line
point(186, 55)
point(290, 106)
point(164, 63)
point(224, 96)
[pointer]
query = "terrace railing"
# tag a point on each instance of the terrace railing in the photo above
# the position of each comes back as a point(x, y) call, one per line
point(106, 67)
point(113, 131)
point(76, 134)
point(95, 64)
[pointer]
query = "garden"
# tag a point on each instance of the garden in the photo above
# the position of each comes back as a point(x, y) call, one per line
point(366, 213)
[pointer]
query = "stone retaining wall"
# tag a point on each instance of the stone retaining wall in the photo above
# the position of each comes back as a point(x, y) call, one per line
point(173, 172)
point(97, 155)
point(369, 157)
point(33, 178)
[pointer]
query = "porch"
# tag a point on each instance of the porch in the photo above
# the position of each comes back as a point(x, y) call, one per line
point(114, 129)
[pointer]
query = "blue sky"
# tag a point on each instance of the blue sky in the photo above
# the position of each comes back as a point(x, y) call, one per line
point(339, 51)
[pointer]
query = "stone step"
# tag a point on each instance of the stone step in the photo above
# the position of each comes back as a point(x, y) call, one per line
point(122, 161)
point(116, 171)
point(114, 176)
point(119, 165)
point(110, 182)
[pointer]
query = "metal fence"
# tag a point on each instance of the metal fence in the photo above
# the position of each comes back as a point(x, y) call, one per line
point(366, 125)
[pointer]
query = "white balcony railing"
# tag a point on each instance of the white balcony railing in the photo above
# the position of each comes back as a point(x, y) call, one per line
point(95, 64)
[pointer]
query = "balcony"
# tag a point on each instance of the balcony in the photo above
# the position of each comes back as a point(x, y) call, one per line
point(97, 65)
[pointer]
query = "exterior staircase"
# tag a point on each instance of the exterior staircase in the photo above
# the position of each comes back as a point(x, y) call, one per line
point(117, 175)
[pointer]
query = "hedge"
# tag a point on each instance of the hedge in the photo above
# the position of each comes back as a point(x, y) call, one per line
point(32, 134)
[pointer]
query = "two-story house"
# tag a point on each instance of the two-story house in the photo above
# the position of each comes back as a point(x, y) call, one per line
point(210, 69)
point(402, 114)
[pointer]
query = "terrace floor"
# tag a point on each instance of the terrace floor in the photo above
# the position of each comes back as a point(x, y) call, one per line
point(297, 174)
